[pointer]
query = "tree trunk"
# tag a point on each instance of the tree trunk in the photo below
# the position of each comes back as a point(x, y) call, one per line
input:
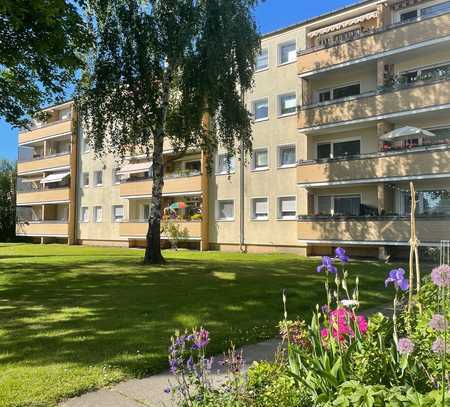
point(153, 253)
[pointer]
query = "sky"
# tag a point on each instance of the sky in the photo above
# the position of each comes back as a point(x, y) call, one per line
point(270, 15)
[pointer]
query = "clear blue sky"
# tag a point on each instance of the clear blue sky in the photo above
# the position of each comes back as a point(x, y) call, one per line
point(270, 15)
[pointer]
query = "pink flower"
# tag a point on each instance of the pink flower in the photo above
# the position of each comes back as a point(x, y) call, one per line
point(438, 322)
point(405, 346)
point(341, 321)
point(441, 276)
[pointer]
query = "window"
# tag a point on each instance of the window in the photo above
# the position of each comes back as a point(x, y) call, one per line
point(145, 212)
point(409, 16)
point(287, 208)
point(324, 95)
point(346, 148)
point(338, 149)
point(260, 159)
point(287, 103)
point(98, 214)
point(340, 92)
point(262, 60)
point(346, 205)
point(346, 91)
point(261, 109)
point(86, 146)
point(84, 214)
point(287, 52)
point(428, 202)
point(117, 211)
point(225, 210)
point(223, 165)
point(260, 209)
point(116, 178)
point(85, 179)
point(65, 114)
point(193, 166)
point(98, 178)
point(286, 156)
point(435, 9)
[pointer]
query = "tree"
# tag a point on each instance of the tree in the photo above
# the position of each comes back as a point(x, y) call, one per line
point(7, 200)
point(39, 54)
point(158, 68)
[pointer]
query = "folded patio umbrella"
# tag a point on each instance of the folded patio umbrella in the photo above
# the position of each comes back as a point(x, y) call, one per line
point(405, 133)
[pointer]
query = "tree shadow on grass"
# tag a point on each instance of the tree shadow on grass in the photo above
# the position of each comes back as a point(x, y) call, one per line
point(117, 311)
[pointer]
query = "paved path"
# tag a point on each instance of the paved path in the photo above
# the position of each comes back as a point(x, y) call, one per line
point(149, 392)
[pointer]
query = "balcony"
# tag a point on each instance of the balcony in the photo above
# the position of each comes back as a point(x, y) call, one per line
point(47, 163)
point(371, 230)
point(401, 163)
point(43, 228)
point(43, 196)
point(47, 130)
point(172, 186)
point(138, 229)
point(390, 38)
point(418, 96)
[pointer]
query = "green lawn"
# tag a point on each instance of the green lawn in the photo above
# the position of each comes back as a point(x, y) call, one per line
point(77, 318)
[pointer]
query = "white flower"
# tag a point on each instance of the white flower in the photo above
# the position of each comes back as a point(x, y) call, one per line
point(350, 303)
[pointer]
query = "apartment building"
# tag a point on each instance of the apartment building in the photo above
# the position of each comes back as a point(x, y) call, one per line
point(349, 108)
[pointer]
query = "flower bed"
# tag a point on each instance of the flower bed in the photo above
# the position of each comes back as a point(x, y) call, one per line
point(340, 358)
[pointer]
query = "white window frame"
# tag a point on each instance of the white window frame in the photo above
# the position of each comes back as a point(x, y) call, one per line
point(268, 60)
point(68, 111)
point(82, 220)
point(86, 147)
point(88, 179)
point(279, 148)
point(262, 119)
point(333, 196)
point(225, 172)
point(336, 141)
point(253, 167)
point(252, 209)
point(97, 184)
point(113, 214)
point(219, 219)
point(114, 176)
point(279, 213)
point(283, 44)
point(279, 98)
point(417, 7)
point(332, 89)
point(95, 209)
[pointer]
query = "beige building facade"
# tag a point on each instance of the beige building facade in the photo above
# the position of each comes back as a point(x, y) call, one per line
point(349, 108)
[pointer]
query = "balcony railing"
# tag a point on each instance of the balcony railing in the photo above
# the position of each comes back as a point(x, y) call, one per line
point(423, 160)
point(44, 163)
point(60, 127)
point(50, 228)
point(426, 94)
point(372, 229)
point(138, 228)
point(377, 41)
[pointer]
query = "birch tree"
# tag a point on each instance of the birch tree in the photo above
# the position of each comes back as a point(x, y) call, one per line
point(157, 69)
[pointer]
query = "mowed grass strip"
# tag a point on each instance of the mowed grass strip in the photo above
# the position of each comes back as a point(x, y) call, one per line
point(73, 319)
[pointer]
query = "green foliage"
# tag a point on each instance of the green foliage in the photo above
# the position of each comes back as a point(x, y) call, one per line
point(39, 54)
point(175, 232)
point(8, 175)
point(271, 385)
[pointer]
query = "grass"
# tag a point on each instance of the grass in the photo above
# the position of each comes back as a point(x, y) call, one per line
point(74, 319)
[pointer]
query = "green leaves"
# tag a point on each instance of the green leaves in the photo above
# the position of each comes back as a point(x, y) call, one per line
point(40, 53)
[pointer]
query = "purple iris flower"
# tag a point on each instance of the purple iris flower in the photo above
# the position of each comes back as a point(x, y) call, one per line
point(327, 264)
point(173, 365)
point(397, 277)
point(340, 254)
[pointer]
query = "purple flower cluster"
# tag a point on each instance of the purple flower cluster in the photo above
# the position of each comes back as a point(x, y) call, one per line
point(328, 262)
point(397, 277)
point(441, 276)
point(405, 346)
point(439, 323)
point(439, 346)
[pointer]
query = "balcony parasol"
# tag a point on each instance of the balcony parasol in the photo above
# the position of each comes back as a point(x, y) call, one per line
point(406, 133)
point(178, 205)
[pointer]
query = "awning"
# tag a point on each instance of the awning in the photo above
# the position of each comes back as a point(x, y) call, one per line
point(135, 168)
point(343, 24)
point(405, 133)
point(55, 177)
